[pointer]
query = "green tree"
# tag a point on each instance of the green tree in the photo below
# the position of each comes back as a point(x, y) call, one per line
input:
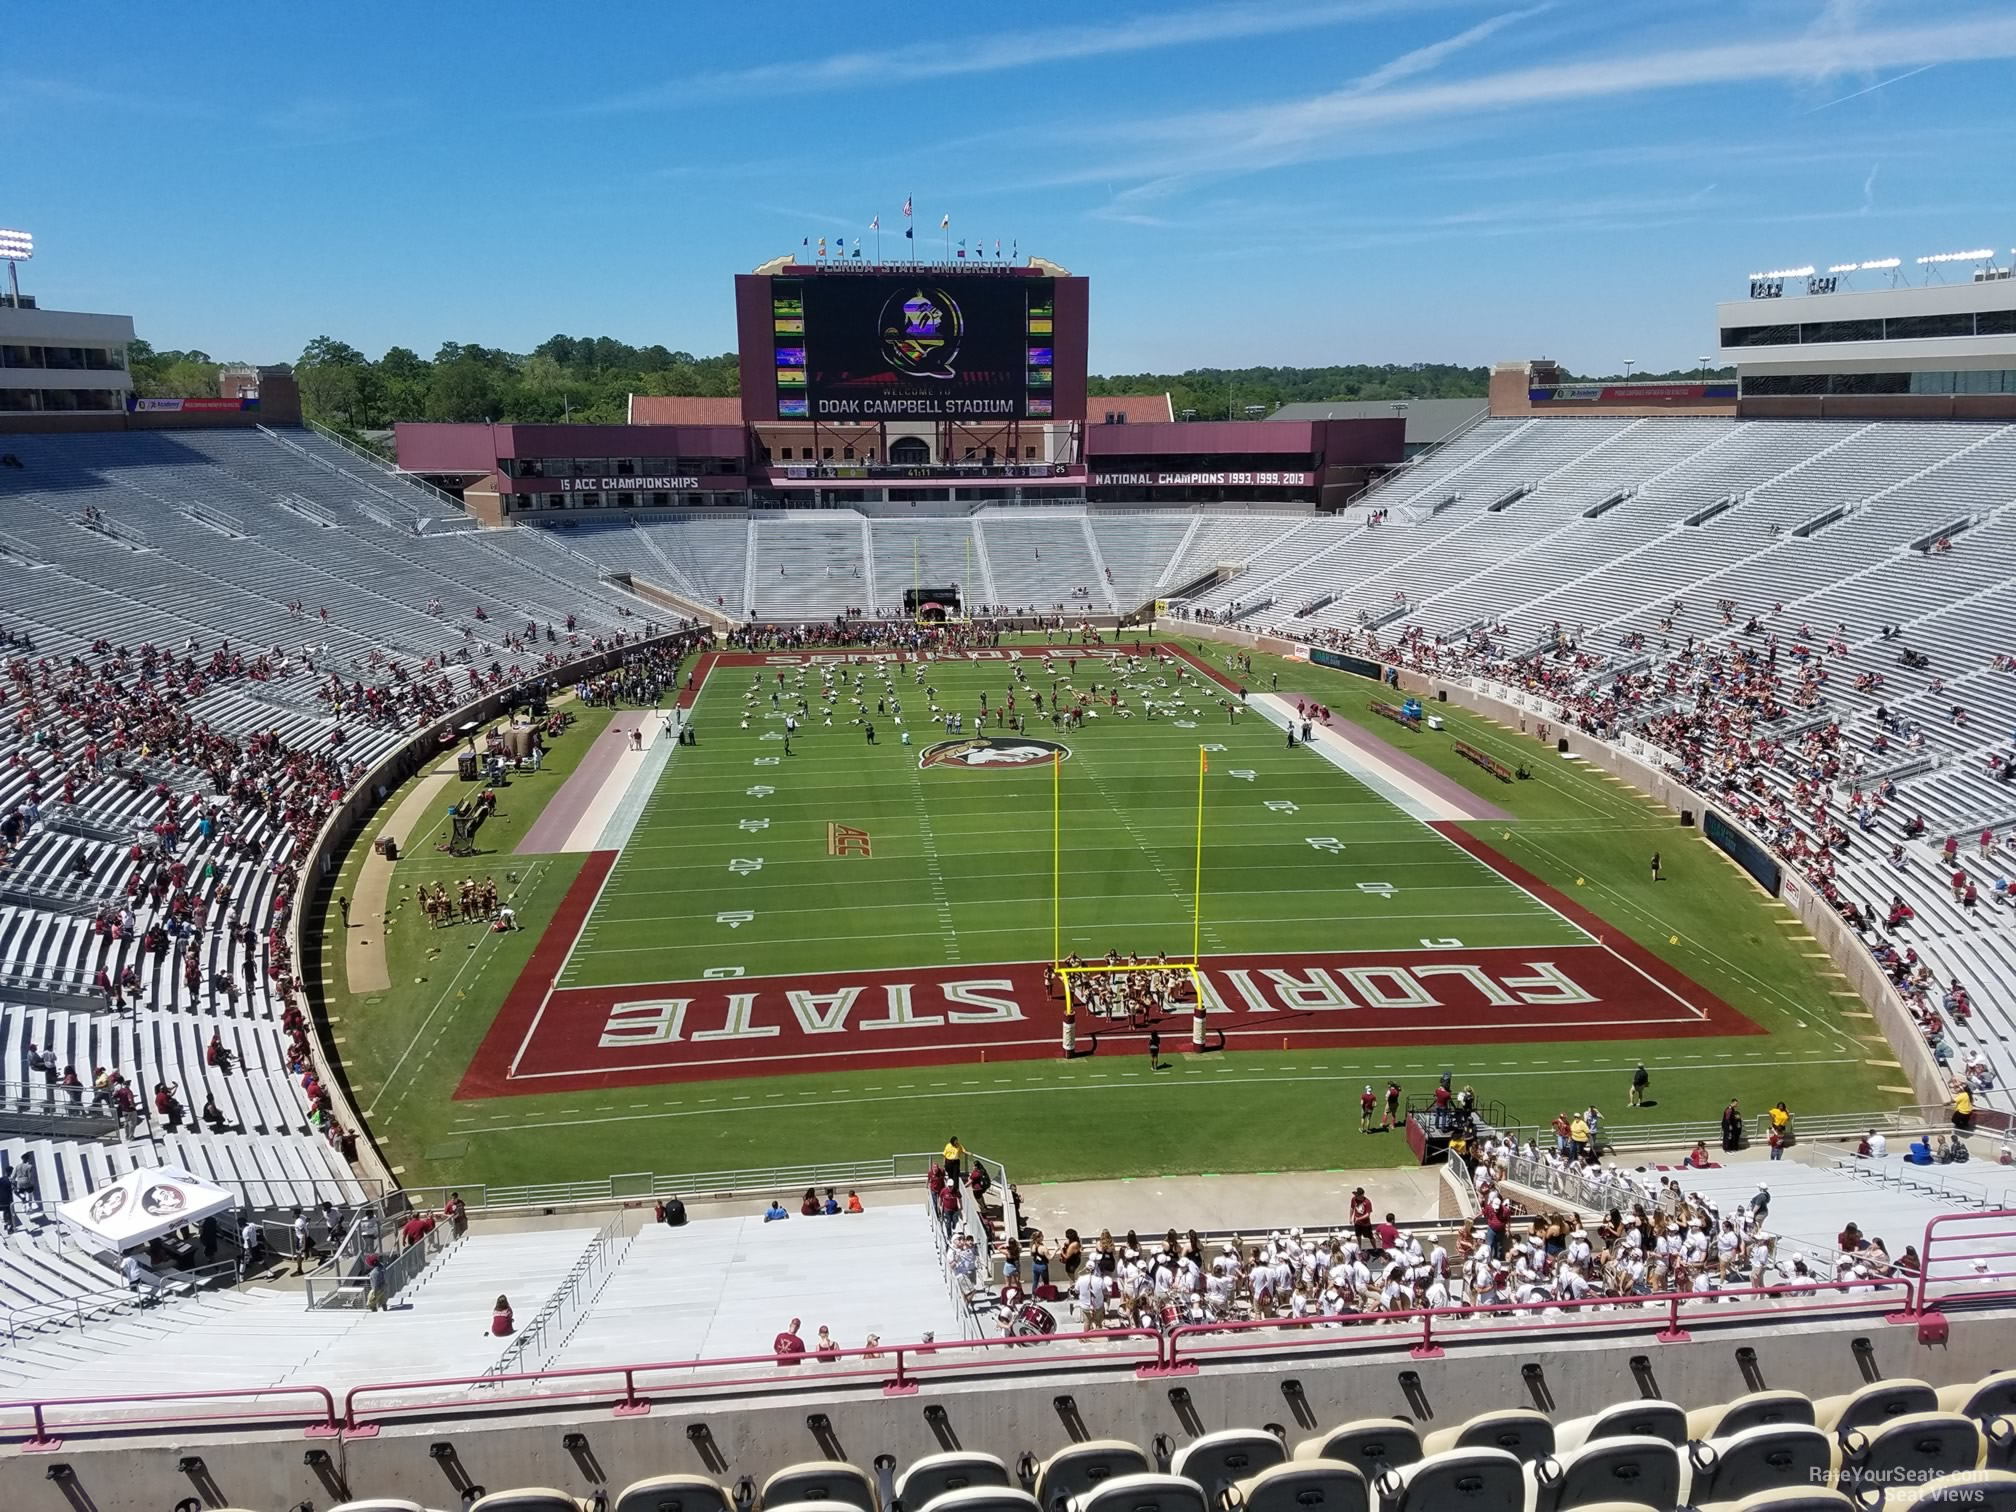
point(335, 382)
point(464, 388)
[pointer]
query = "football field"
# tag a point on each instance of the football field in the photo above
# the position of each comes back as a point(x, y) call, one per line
point(791, 898)
point(765, 959)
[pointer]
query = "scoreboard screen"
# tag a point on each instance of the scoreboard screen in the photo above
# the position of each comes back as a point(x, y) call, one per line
point(913, 345)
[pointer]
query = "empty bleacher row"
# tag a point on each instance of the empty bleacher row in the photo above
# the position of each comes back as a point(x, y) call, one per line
point(816, 564)
point(1899, 1445)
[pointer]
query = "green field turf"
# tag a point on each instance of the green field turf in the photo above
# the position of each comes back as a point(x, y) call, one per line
point(961, 865)
point(980, 892)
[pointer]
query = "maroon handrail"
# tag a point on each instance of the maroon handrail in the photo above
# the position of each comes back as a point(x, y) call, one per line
point(898, 1368)
point(1984, 1237)
point(326, 1426)
point(898, 1377)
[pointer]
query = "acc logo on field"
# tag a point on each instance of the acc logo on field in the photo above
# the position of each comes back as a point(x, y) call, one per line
point(990, 751)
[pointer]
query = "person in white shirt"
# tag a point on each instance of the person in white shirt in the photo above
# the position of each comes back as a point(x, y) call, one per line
point(1093, 1293)
point(1878, 1145)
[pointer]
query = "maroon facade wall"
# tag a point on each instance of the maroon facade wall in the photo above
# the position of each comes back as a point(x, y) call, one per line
point(753, 346)
point(459, 448)
point(1071, 332)
point(1361, 443)
point(1331, 443)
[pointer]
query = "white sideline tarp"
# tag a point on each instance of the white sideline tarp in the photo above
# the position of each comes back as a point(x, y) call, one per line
point(144, 1204)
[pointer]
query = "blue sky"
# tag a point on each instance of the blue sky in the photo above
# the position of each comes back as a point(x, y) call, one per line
point(1302, 181)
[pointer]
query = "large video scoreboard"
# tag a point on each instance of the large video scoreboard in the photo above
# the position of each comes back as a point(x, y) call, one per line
point(929, 343)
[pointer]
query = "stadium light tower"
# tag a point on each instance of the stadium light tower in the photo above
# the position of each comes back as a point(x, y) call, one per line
point(1629, 363)
point(1704, 367)
point(16, 247)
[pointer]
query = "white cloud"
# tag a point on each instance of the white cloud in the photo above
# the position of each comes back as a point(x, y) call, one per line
point(1423, 59)
point(949, 57)
point(1273, 134)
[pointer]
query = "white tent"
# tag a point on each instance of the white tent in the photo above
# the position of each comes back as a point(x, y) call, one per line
point(144, 1204)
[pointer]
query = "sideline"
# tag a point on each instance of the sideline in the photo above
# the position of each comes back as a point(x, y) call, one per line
point(365, 966)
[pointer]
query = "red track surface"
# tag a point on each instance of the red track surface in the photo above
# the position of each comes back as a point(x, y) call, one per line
point(551, 1040)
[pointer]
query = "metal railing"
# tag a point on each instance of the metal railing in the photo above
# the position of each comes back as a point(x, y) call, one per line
point(540, 1340)
point(344, 1282)
point(694, 1186)
point(54, 1100)
point(899, 1369)
point(440, 496)
point(1967, 1260)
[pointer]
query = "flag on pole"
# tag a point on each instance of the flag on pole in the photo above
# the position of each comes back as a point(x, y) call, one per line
point(945, 222)
point(875, 224)
point(997, 246)
point(806, 242)
point(822, 246)
point(962, 246)
point(908, 234)
point(906, 206)
point(857, 249)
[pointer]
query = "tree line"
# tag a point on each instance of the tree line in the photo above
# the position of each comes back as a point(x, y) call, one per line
point(590, 378)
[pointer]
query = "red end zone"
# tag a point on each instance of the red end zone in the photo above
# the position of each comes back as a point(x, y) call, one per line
point(549, 1041)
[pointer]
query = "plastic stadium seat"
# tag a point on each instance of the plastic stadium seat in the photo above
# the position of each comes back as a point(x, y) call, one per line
point(820, 1481)
point(673, 1493)
point(1752, 1411)
point(1768, 1457)
point(1646, 1419)
point(1991, 1396)
point(1976, 1490)
point(1873, 1403)
point(1142, 1493)
point(956, 1470)
point(980, 1499)
point(378, 1504)
point(1306, 1486)
point(1639, 1470)
point(1518, 1431)
point(529, 1499)
point(1078, 1468)
point(1910, 1450)
point(1457, 1480)
point(1217, 1460)
point(1371, 1444)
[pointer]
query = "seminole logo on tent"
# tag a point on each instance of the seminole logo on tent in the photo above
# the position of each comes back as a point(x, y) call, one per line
point(987, 751)
point(109, 1203)
point(920, 332)
point(164, 1201)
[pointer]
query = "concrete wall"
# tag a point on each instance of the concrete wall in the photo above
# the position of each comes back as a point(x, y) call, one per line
point(738, 1434)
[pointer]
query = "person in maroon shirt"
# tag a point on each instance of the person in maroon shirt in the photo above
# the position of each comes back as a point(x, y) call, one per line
point(787, 1346)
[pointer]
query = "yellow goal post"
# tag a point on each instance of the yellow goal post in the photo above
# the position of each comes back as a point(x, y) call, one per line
point(1165, 973)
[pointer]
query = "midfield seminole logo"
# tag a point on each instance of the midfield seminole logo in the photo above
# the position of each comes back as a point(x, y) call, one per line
point(987, 751)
